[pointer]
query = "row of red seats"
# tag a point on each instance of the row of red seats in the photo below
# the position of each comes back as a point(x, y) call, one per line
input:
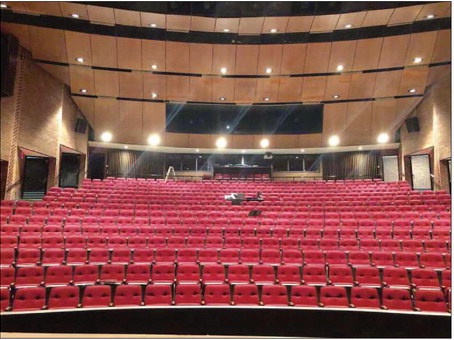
point(29, 299)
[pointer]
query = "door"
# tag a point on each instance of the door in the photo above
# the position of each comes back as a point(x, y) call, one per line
point(97, 165)
point(36, 171)
point(69, 170)
point(390, 169)
point(420, 171)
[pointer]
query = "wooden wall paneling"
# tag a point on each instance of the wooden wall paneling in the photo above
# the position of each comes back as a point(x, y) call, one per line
point(87, 106)
point(230, 24)
point(81, 78)
point(200, 58)
point(106, 117)
point(17, 5)
point(290, 89)
point(267, 88)
point(387, 84)
point(439, 9)
point(342, 53)
point(317, 57)
point(153, 53)
point(177, 57)
point(154, 121)
point(103, 15)
point(154, 83)
point(367, 54)
point(48, 44)
point(377, 18)
point(21, 32)
point(312, 140)
point(313, 89)
point(78, 45)
point(129, 53)
point(335, 122)
point(246, 59)
point(68, 8)
point(44, 7)
point(421, 45)
point(394, 51)
point(223, 87)
point(245, 89)
point(203, 140)
point(286, 141)
point(106, 83)
point(224, 56)
point(278, 23)
point(270, 56)
point(258, 139)
point(384, 119)
point(251, 25)
point(337, 85)
point(436, 73)
point(359, 116)
point(176, 139)
point(202, 24)
point(147, 19)
point(299, 24)
point(178, 88)
point(242, 142)
point(404, 15)
point(127, 18)
point(180, 23)
point(200, 89)
point(324, 23)
point(104, 50)
point(413, 78)
point(130, 122)
point(442, 48)
point(362, 85)
point(60, 72)
point(355, 19)
point(293, 58)
point(131, 85)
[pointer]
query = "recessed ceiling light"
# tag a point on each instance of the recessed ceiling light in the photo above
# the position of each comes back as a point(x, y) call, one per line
point(223, 99)
point(264, 143)
point(154, 67)
point(223, 70)
point(125, 146)
point(153, 25)
point(417, 60)
point(360, 148)
point(197, 150)
point(154, 140)
point(3, 6)
point(296, 157)
point(333, 141)
point(340, 67)
point(273, 30)
point(267, 99)
point(268, 70)
point(80, 60)
point(302, 150)
point(75, 15)
point(336, 96)
point(221, 142)
point(83, 90)
point(412, 90)
point(383, 138)
point(243, 151)
point(226, 30)
point(430, 16)
point(227, 127)
point(154, 95)
point(106, 136)
point(348, 26)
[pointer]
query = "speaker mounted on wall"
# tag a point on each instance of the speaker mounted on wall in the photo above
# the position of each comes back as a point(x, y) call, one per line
point(81, 125)
point(412, 124)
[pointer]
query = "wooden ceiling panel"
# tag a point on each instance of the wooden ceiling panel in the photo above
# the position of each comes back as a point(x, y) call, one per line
point(87, 106)
point(200, 89)
point(44, 7)
point(245, 89)
point(337, 85)
point(106, 117)
point(200, 58)
point(299, 24)
point(439, 9)
point(178, 88)
point(267, 88)
point(384, 118)
point(437, 72)
point(78, 45)
point(290, 89)
point(293, 58)
point(224, 56)
point(335, 122)
point(359, 115)
point(367, 54)
point(270, 56)
point(377, 18)
point(69, 8)
point(177, 57)
point(404, 106)
point(230, 24)
point(129, 53)
point(154, 119)
point(313, 89)
point(387, 84)
point(130, 123)
point(131, 84)
point(404, 15)
point(355, 19)
point(81, 78)
point(324, 23)
point(442, 49)
point(251, 25)
point(104, 50)
point(153, 53)
point(154, 83)
point(246, 59)
point(176, 139)
point(180, 23)
point(413, 78)
point(202, 24)
point(362, 85)
point(394, 51)
point(223, 87)
point(48, 44)
point(242, 142)
point(16, 5)
point(127, 18)
point(421, 45)
point(310, 140)
point(148, 19)
point(21, 32)
point(103, 15)
point(59, 72)
point(317, 57)
point(278, 23)
point(286, 141)
point(106, 83)
point(342, 53)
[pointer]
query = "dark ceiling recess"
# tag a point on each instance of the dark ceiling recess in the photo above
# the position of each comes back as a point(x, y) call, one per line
point(237, 9)
point(244, 119)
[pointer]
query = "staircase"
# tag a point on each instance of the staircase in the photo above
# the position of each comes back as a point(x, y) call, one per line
point(33, 195)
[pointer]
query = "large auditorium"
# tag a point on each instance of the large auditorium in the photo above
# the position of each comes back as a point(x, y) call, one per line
point(225, 169)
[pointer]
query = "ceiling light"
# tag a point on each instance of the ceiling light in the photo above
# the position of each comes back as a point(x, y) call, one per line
point(412, 90)
point(154, 95)
point(154, 140)
point(268, 70)
point(106, 136)
point(3, 6)
point(226, 30)
point(335, 96)
point(197, 150)
point(223, 70)
point(243, 151)
point(333, 140)
point(360, 148)
point(340, 67)
point(430, 16)
point(221, 142)
point(153, 25)
point(383, 138)
point(80, 60)
point(75, 15)
point(267, 99)
point(348, 26)
point(264, 143)
point(227, 127)
point(125, 146)
point(223, 99)
point(83, 90)
point(154, 67)
point(296, 157)
point(302, 150)
point(273, 30)
point(417, 60)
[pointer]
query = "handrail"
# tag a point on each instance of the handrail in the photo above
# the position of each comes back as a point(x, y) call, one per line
point(12, 186)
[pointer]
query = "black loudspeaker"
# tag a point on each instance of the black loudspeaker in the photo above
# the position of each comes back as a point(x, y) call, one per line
point(412, 124)
point(268, 155)
point(81, 125)
point(9, 52)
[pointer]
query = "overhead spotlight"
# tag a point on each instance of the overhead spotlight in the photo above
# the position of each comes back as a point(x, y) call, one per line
point(383, 138)
point(430, 16)
point(3, 6)
point(75, 15)
point(154, 140)
point(227, 127)
point(83, 90)
point(264, 143)
point(268, 70)
point(417, 60)
point(336, 96)
point(340, 67)
point(80, 60)
point(153, 25)
point(360, 148)
point(221, 143)
point(125, 146)
point(154, 67)
point(226, 30)
point(273, 30)
point(333, 141)
point(267, 99)
point(296, 157)
point(223, 70)
point(412, 90)
point(154, 95)
point(223, 99)
point(348, 26)
point(106, 136)
point(243, 151)
point(302, 150)
point(197, 150)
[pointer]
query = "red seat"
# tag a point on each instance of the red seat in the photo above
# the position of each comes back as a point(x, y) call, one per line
point(213, 273)
point(96, 296)
point(263, 274)
point(244, 295)
point(288, 275)
point(53, 256)
point(446, 278)
point(270, 256)
point(229, 256)
point(432, 260)
point(340, 275)
point(390, 245)
point(138, 274)
point(292, 256)
point(189, 294)
point(309, 244)
point(314, 274)
point(98, 256)
point(29, 299)
point(188, 273)
point(369, 245)
point(74, 241)
point(425, 278)
point(208, 256)
point(250, 256)
point(367, 277)
point(217, 295)
point(7, 276)
point(414, 246)
point(435, 246)
point(96, 242)
point(362, 297)
point(398, 299)
point(86, 275)
point(163, 273)
point(128, 296)
point(395, 277)
point(29, 242)
point(304, 296)
point(4, 299)
point(406, 260)
point(275, 295)
point(238, 274)
point(165, 255)
point(7, 257)
point(314, 257)
point(117, 242)
point(160, 295)
point(63, 297)
point(59, 276)
point(29, 277)
point(333, 297)
point(112, 273)
point(358, 258)
point(430, 300)
point(76, 256)
point(143, 255)
point(382, 259)
point(187, 255)
point(335, 257)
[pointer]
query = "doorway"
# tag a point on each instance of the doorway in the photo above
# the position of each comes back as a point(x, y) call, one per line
point(390, 169)
point(97, 165)
point(69, 170)
point(421, 172)
point(36, 170)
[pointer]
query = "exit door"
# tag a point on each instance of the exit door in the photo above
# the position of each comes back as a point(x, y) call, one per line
point(69, 170)
point(34, 184)
point(420, 171)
